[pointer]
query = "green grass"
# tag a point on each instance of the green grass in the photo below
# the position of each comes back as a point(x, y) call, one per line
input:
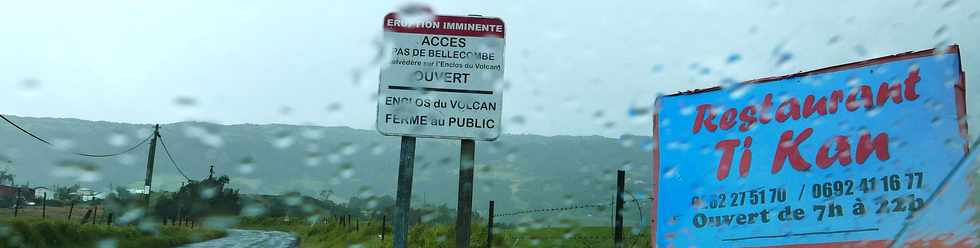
point(36, 232)
point(441, 235)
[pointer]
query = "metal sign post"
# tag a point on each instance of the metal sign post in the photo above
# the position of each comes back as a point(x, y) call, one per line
point(464, 206)
point(403, 197)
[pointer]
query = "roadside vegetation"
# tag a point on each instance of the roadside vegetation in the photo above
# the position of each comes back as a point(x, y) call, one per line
point(369, 234)
point(29, 231)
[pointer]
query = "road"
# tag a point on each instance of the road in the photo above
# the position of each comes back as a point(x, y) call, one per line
point(250, 238)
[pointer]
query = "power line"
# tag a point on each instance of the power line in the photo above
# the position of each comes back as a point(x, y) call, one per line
point(78, 153)
point(171, 157)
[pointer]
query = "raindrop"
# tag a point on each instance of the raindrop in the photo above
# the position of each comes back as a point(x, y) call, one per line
point(30, 84)
point(377, 149)
point(677, 145)
point(355, 75)
point(735, 57)
point(117, 139)
point(348, 149)
point(185, 101)
point(853, 81)
point(671, 172)
point(705, 71)
point(783, 58)
point(347, 173)
point(208, 193)
point(518, 119)
point(687, 110)
point(833, 40)
point(974, 15)
point(285, 110)
point(637, 111)
point(333, 107)
point(739, 91)
point(940, 31)
point(283, 140)
point(949, 3)
point(860, 50)
point(658, 67)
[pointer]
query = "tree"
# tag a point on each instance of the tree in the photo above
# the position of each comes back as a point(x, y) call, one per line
point(199, 199)
point(6, 178)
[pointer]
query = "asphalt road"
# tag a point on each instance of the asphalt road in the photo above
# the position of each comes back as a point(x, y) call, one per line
point(250, 238)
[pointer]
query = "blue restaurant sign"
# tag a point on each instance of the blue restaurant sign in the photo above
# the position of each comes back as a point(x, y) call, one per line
point(825, 158)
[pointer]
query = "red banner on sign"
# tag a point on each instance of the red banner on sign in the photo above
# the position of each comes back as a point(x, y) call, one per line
point(447, 25)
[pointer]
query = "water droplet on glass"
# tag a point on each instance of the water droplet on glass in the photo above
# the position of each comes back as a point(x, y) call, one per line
point(185, 101)
point(117, 139)
point(285, 110)
point(783, 58)
point(833, 40)
point(860, 50)
point(949, 4)
point(733, 58)
point(377, 149)
point(739, 91)
point(283, 140)
point(656, 68)
point(637, 111)
point(333, 107)
point(30, 84)
point(347, 173)
point(518, 119)
point(677, 145)
point(671, 172)
point(939, 31)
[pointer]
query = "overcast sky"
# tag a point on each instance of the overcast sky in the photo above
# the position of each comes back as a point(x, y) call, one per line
point(574, 68)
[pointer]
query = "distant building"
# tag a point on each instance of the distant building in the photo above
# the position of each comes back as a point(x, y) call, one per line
point(39, 193)
point(26, 194)
point(85, 194)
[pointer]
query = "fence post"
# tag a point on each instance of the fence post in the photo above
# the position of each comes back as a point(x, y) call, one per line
point(108, 221)
point(95, 214)
point(490, 226)
point(384, 221)
point(44, 206)
point(618, 233)
point(17, 202)
point(71, 209)
point(88, 214)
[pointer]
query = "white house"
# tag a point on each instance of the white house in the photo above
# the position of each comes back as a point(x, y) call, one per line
point(40, 192)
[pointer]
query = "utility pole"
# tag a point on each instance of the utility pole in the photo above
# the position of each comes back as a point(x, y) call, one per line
point(149, 166)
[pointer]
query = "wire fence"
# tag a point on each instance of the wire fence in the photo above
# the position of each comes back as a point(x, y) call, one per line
point(561, 225)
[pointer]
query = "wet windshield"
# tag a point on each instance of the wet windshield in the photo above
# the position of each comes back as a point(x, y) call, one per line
point(504, 124)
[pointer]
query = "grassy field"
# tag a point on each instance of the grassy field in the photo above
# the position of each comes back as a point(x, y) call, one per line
point(368, 234)
point(54, 213)
point(28, 229)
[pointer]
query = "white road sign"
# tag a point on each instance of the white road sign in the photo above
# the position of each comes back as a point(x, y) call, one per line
point(441, 77)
